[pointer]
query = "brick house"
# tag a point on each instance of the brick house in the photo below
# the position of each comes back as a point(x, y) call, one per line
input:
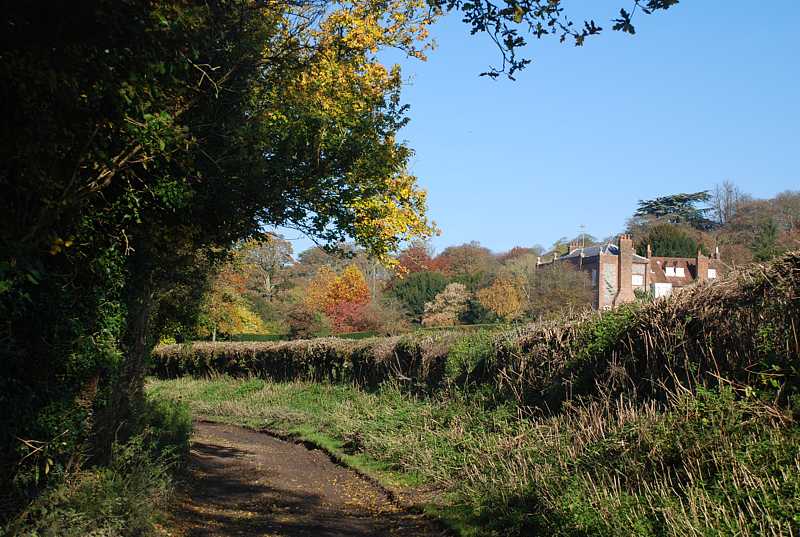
point(617, 272)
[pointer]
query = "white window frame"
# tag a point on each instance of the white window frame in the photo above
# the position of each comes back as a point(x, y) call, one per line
point(637, 279)
point(669, 271)
point(679, 272)
point(712, 273)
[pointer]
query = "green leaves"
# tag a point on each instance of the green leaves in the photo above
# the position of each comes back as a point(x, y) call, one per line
point(623, 24)
point(679, 209)
point(510, 22)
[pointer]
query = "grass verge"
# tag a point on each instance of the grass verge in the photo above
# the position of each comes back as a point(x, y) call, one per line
point(709, 462)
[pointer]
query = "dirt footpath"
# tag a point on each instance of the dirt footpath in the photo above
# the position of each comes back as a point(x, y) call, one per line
point(246, 483)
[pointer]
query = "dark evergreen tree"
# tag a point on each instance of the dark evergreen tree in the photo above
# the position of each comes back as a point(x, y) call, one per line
point(667, 240)
point(679, 209)
point(417, 289)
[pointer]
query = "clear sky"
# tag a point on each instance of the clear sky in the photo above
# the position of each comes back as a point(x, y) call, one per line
point(705, 92)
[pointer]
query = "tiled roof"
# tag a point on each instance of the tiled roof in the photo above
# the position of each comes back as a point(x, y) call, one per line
point(658, 267)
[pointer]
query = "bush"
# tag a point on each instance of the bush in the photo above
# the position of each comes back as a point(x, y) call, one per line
point(124, 498)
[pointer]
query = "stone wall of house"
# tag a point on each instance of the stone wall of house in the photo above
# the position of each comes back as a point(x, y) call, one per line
point(608, 281)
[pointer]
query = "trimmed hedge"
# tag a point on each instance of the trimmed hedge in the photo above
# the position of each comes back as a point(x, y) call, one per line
point(744, 328)
point(419, 361)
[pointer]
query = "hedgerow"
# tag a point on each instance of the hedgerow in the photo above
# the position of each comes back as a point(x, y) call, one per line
point(743, 328)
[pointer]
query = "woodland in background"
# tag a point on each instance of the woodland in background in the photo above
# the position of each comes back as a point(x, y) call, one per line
point(263, 289)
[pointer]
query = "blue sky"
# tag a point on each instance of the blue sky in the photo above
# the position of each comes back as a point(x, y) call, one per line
point(705, 92)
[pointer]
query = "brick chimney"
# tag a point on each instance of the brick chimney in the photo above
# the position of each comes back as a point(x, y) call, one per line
point(624, 271)
point(702, 266)
point(574, 245)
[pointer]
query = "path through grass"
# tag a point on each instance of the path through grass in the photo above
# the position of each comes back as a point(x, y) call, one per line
point(711, 463)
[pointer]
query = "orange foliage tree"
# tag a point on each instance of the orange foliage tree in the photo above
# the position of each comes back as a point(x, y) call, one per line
point(342, 298)
point(415, 258)
point(503, 298)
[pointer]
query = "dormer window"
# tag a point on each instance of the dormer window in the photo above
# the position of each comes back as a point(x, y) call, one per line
point(679, 272)
point(669, 271)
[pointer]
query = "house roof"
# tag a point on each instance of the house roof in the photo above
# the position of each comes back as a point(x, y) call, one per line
point(659, 265)
point(594, 251)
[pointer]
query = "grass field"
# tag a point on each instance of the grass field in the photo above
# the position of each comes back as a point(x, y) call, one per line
point(710, 463)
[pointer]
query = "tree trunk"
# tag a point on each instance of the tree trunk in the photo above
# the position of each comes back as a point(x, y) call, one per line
point(121, 418)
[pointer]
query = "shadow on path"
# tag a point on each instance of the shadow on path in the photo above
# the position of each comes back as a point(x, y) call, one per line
point(246, 483)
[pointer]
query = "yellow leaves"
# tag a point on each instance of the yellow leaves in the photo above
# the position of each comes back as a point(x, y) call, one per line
point(318, 296)
point(326, 290)
point(341, 98)
point(368, 25)
point(395, 216)
point(502, 298)
point(59, 245)
point(351, 286)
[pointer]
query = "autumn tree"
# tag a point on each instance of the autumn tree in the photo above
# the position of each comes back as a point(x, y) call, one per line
point(318, 295)
point(350, 287)
point(225, 309)
point(520, 270)
point(342, 298)
point(415, 258)
point(466, 259)
point(269, 258)
point(448, 306)
point(503, 298)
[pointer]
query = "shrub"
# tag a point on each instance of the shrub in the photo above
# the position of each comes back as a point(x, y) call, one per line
point(127, 496)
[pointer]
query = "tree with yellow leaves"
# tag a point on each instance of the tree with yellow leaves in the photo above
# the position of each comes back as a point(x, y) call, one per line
point(503, 298)
point(225, 309)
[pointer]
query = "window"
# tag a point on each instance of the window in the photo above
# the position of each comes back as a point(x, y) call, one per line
point(679, 272)
point(594, 277)
point(712, 273)
point(637, 279)
point(669, 271)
